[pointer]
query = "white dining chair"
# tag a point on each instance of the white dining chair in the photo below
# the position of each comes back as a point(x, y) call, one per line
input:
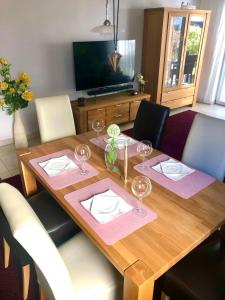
point(205, 146)
point(55, 118)
point(76, 270)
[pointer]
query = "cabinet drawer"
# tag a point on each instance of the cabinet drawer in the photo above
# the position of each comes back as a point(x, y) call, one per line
point(179, 102)
point(177, 94)
point(95, 114)
point(117, 113)
point(134, 109)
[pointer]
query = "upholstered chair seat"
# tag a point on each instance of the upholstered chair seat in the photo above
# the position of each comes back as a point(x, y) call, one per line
point(55, 118)
point(205, 146)
point(150, 122)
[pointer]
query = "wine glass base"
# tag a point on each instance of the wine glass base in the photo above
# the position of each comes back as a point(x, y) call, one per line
point(84, 172)
point(141, 212)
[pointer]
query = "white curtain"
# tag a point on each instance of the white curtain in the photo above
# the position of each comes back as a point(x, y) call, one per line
point(214, 52)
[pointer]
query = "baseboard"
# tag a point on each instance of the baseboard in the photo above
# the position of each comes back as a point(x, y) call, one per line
point(30, 137)
point(6, 142)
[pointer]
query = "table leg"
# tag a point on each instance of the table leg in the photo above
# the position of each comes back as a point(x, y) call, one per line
point(28, 180)
point(138, 282)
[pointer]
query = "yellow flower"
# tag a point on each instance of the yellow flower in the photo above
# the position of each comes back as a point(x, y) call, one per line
point(3, 61)
point(25, 78)
point(2, 102)
point(12, 90)
point(27, 95)
point(3, 86)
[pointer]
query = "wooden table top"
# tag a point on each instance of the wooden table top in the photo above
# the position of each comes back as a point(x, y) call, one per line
point(181, 224)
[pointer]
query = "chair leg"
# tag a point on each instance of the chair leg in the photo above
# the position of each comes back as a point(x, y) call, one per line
point(164, 296)
point(41, 294)
point(26, 281)
point(6, 250)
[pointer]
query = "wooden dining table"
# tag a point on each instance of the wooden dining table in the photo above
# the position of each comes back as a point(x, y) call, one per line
point(147, 253)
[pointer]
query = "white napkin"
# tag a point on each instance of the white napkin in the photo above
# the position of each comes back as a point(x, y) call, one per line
point(57, 165)
point(173, 169)
point(121, 140)
point(106, 206)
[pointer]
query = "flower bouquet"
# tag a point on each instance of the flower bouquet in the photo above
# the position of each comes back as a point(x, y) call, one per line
point(15, 93)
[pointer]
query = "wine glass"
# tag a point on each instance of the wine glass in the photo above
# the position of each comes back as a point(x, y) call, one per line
point(82, 153)
point(141, 187)
point(98, 125)
point(144, 149)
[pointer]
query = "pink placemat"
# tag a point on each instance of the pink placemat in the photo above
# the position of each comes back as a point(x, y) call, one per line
point(185, 187)
point(120, 227)
point(132, 149)
point(66, 178)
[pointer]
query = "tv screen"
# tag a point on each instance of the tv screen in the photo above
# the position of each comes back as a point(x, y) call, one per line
point(92, 66)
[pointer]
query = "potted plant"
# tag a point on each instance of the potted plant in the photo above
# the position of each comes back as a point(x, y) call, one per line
point(15, 94)
point(141, 82)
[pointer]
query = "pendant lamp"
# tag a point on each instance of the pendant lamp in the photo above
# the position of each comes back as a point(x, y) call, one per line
point(115, 57)
point(106, 28)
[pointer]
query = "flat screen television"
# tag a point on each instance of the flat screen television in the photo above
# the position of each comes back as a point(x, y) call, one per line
point(92, 66)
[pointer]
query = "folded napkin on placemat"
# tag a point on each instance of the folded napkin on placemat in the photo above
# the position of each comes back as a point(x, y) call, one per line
point(121, 140)
point(106, 206)
point(57, 165)
point(173, 169)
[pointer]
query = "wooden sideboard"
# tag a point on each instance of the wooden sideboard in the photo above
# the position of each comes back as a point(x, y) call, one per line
point(116, 108)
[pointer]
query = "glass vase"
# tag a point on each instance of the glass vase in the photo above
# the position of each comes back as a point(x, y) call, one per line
point(111, 158)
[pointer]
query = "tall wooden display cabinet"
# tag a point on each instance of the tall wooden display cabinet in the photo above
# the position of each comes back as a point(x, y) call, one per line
point(173, 49)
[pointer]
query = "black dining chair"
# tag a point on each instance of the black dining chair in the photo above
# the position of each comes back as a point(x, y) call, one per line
point(150, 122)
point(198, 276)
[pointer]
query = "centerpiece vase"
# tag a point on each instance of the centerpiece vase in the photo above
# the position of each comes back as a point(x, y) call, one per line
point(19, 133)
point(111, 158)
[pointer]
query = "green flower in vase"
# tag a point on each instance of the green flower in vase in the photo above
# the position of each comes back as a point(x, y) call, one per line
point(111, 154)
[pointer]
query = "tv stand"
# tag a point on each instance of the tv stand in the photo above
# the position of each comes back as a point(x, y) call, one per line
point(109, 89)
point(115, 108)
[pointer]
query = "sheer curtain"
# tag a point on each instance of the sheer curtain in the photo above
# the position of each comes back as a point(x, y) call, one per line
point(220, 96)
point(214, 53)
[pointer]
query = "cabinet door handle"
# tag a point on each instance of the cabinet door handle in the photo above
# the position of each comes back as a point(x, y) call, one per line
point(100, 109)
point(117, 105)
point(118, 116)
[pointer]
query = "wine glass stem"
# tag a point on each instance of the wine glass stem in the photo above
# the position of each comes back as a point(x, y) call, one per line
point(82, 166)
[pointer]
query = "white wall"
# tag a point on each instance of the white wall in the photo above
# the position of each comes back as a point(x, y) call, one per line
point(36, 37)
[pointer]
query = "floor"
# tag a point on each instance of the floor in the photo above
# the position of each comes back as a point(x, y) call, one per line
point(8, 159)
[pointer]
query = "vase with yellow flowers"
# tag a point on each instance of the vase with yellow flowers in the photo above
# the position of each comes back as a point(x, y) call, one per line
point(15, 94)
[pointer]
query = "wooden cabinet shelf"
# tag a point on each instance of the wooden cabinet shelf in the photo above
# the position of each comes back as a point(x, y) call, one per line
point(116, 108)
point(173, 48)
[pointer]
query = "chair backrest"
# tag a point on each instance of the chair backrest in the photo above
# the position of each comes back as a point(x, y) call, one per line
point(55, 118)
point(150, 122)
point(32, 236)
point(205, 146)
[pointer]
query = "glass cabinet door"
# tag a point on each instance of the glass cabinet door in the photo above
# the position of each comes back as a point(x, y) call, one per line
point(192, 49)
point(175, 41)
